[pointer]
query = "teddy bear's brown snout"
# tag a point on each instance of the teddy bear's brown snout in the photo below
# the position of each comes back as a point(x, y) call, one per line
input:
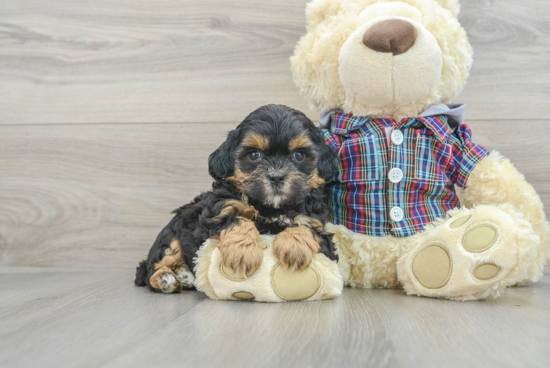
point(394, 36)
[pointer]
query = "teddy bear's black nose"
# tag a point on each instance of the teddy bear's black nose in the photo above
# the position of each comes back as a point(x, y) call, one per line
point(392, 35)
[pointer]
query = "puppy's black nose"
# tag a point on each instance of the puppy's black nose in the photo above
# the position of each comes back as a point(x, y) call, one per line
point(277, 177)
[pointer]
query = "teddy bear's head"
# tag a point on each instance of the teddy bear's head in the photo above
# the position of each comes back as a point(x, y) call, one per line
point(381, 58)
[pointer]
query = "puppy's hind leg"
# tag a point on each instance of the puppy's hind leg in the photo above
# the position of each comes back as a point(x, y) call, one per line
point(171, 273)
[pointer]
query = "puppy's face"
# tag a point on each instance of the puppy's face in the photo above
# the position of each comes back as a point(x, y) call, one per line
point(275, 156)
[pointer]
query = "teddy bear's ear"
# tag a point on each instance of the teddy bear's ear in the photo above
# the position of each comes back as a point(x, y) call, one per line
point(319, 10)
point(452, 5)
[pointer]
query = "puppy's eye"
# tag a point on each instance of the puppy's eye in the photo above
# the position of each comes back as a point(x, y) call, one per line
point(254, 156)
point(299, 156)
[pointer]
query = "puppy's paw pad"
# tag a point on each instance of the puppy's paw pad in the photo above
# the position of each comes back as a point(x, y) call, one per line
point(295, 285)
point(432, 266)
point(480, 238)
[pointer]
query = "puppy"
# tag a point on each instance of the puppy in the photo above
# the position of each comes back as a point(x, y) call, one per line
point(268, 179)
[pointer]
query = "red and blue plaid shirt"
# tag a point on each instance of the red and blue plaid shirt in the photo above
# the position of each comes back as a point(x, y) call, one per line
point(432, 157)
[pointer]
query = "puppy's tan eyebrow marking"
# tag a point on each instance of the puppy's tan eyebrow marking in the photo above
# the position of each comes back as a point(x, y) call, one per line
point(300, 142)
point(256, 141)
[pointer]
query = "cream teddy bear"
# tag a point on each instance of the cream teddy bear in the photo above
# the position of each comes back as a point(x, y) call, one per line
point(382, 74)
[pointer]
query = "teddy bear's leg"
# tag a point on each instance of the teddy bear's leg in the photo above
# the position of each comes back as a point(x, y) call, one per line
point(474, 254)
point(496, 181)
point(272, 281)
point(367, 261)
point(502, 240)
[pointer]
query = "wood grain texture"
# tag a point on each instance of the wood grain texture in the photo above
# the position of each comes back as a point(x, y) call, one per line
point(510, 77)
point(127, 61)
point(97, 195)
point(83, 318)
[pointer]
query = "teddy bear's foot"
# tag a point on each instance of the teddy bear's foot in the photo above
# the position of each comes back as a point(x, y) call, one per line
point(474, 254)
point(272, 281)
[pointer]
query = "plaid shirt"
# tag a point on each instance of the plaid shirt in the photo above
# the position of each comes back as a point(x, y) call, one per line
point(431, 159)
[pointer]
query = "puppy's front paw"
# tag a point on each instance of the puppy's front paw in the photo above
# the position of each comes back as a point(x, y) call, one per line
point(295, 247)
point(240, 248)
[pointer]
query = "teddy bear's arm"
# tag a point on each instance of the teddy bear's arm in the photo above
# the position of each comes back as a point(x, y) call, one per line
point(495, 181)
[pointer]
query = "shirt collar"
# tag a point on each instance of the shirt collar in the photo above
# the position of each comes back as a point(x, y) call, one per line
point(454, 113)
point(438, 125)
point(441, 119)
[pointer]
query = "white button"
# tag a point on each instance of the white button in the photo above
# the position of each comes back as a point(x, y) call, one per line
point(396, 214)
point(397, 137)
point(395, 175)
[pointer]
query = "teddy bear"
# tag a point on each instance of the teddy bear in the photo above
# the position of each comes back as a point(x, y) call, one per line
point(416, 203)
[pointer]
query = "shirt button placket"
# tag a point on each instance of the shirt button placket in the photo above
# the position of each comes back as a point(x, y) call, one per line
point(395, 175)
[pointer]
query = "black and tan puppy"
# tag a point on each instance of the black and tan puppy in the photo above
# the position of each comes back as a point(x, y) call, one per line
point(269, 177)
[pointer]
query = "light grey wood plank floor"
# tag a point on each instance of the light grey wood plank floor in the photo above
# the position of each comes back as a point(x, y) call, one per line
point(127, 61)
point(96, 195)
point(91, 318)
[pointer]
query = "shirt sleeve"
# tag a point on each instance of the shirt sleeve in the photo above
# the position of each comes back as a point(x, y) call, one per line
point(466, 155)
point(332, 140)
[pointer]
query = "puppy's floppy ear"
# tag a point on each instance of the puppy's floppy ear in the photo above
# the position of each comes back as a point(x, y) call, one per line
point(327, 163)
point(221, 163)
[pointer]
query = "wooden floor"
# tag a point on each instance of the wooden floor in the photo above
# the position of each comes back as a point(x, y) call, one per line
point(90, 318)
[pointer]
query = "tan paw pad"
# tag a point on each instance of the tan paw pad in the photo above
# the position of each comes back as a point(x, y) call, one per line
point(432, 266)
point(461, 221)
point(486, 271)
point(245, 295)
point(480, 238)
point(228, 273)
point(295, 285)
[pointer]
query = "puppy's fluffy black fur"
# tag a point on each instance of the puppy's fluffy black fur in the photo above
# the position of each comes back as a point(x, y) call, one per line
point(277, 162)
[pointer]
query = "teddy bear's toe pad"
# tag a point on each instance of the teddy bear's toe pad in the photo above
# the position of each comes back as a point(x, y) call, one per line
point(432, 266)
point(295, 285)
point(480, 238)
point(244, 295)
point(461, 221)
point(486, 271)
point(230, 275)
